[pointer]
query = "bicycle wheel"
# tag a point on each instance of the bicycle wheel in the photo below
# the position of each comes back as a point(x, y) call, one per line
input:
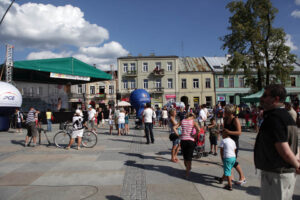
point(89, 139)
point(62, 139)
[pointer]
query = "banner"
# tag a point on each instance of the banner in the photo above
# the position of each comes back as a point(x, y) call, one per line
point(67, 76)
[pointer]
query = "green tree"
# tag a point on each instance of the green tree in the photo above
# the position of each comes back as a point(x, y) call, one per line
point(256, 47)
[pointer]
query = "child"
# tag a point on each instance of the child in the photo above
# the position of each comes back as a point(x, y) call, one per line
point(78, 129)
point(213, 136)
point(227, 151)
point(126, 123)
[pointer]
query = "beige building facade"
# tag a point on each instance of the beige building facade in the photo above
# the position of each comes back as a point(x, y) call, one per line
point(158, 75)
point(196, 82)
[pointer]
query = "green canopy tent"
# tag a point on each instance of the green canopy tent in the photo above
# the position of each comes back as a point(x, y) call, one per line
point(58, 71)
point(255, 98)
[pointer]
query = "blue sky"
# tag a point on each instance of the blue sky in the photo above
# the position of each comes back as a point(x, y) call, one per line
point(112, 28)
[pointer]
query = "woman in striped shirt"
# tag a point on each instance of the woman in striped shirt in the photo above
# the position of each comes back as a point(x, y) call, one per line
point(187, 139)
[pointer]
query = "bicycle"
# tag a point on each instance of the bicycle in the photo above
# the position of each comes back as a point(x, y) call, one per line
point(62, 138)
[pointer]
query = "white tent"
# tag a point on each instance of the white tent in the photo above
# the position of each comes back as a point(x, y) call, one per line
point(123, 104)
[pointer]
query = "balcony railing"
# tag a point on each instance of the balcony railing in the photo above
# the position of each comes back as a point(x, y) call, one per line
point(130, 73)
point(158, 72)
point(157, 90)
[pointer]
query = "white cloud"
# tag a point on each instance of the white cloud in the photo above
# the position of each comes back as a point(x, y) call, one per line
point(47, 54)
point(297, 2)
point(112, 49)
point(102, 57)
point(48, 26)
point(289, 42)
point(296, 14)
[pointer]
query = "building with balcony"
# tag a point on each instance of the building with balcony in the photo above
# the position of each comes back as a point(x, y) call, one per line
point(156, 74)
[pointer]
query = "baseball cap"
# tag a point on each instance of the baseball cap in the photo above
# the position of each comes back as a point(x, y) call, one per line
point(89, 106)
point(78, 112)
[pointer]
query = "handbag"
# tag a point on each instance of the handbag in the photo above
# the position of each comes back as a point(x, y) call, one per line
point(173, 137)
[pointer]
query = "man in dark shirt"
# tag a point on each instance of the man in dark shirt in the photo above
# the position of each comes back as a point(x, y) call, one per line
point(276, 146)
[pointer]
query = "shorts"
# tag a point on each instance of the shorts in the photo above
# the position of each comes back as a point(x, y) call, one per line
point(110, 122)
point(213, 140)
point(19, 125)
point(31, 129)
point(92, 123)
point(228, 165)
point(165, 121)
point(77, 133)
point(220, 121)
point(187, 148)
point(122, 125)
point(176, 142)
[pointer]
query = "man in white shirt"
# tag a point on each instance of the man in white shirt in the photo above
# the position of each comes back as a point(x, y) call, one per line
point(202, 117)
point(91, 117)
point(148, 115)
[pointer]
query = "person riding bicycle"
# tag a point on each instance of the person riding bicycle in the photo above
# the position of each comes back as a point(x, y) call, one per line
point(78, 128)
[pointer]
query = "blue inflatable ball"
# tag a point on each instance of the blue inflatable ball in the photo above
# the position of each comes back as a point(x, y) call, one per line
point(138, 98)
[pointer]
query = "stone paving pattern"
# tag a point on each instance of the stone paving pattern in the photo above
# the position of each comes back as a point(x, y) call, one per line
point(118, 167)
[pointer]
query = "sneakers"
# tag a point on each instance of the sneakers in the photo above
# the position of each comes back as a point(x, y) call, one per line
point(241, 182)
point(210, 152)
point(67, 148)
point(25, 144)
point(78, 148)
point(215, 154)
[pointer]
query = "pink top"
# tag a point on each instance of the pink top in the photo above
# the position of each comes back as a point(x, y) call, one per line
point(187, 129)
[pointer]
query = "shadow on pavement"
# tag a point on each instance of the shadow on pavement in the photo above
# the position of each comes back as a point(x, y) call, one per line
point(145, 157)
point(129, 141)
point(204, 179)
point(111, 197)
point(208, 162)
point(244, 149)
point(18, 142)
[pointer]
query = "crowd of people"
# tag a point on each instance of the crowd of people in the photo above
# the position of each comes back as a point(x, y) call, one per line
point(276, 151)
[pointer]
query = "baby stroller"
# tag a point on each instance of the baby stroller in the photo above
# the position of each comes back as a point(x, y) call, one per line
point(200, 144)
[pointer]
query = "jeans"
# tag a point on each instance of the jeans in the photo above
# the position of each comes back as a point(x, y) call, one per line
point(49, 125)
point(149, 128)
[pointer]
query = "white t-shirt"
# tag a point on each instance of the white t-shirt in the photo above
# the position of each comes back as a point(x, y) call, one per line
point(121, 119)
point(229, 147)
point(92, 114)
point(164, 114)
point(148, 115)
point(202, 116)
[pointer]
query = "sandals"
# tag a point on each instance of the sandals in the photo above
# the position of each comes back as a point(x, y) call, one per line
point(220, 180)
point(227, 187)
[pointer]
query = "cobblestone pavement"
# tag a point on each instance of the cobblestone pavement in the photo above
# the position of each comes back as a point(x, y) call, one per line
point(118, 167)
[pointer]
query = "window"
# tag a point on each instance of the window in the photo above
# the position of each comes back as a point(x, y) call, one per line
point(125, 67)
point(23, 92)
point(146, 83)
point(101, 89)
point(158, 65)
point(231, 82)
point(195, 83)
point(132, 84)
point(170, 83)
point(207, 83)
point(125, 84)
point(132, 67)
point(293, 81)
point(183, 83)
point(158, 83)
point(92, 89)
point(241, 82)
point(208, 101)
point(79, 89)
point(231, 99)
point(145, 67)
point(31, 92)
point(169, 66)
point(221, 82)
point(39, 91)
point(111, 89)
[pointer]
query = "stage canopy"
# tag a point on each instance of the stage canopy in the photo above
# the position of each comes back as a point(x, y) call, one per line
point(58, 70)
